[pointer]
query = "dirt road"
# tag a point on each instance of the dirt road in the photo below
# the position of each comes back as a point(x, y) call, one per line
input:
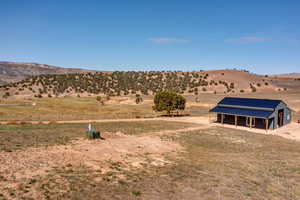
point(200, 120)
point(291, 131)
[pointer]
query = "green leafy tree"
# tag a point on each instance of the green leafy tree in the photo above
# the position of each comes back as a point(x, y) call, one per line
point(168, 101)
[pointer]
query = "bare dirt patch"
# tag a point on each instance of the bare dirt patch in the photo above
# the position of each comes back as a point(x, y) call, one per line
point(83, 152)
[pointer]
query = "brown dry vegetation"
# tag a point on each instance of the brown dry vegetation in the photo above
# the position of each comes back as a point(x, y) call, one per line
point(141, 160)
point(20, 137)
point(215, 163)
point(55, 109)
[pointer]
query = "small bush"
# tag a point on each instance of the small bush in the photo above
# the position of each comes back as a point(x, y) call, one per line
point(38, 96)
point(136, 193)
point(98, 98)
point(6, 95)
point(138, 99)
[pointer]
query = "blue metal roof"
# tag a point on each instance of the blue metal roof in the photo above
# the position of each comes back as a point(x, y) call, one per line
point(249, 102)
point(242, 112)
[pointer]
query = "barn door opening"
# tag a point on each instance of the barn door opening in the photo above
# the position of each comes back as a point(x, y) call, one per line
point(280, 117)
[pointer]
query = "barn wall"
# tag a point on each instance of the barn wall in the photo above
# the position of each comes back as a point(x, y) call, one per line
point(272, 123)
point(287, 115)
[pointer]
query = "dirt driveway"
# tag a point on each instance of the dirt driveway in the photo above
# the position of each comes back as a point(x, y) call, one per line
point(198, 120)
point(290, 131)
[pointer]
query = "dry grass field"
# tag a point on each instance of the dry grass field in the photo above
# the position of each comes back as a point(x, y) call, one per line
point(178, 158)
point(55, 109)
point(144, 161)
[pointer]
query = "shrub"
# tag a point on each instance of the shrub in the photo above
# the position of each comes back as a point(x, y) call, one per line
point(98, 98)
point(136, 193)
point(242, 91)
point(38, 96)
point(168, 101)
point(138, 99)
point(6, 95)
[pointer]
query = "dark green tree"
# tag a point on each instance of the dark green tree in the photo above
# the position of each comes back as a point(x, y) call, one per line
point(168, 101)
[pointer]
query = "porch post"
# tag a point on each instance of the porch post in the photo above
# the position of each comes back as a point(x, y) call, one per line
point(250, 122)
point(235, 120)
point(267, 125)
point(222, 118)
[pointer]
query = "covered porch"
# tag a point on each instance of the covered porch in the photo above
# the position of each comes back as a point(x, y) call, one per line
point(245, 121)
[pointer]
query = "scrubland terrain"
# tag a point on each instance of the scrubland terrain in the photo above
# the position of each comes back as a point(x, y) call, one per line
point(45, 153)
point(146, 160)
point(161, 158)
point(42, 81)
point(87, 108)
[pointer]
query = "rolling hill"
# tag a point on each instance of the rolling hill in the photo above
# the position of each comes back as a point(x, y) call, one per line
point(30, 79)
point(14, 71)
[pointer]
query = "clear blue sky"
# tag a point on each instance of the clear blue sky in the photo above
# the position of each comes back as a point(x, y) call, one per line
point(261, 36)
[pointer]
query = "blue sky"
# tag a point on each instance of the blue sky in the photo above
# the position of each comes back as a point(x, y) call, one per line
point(261, 36)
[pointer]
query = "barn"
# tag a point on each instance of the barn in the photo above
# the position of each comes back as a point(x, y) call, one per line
point(254, 113)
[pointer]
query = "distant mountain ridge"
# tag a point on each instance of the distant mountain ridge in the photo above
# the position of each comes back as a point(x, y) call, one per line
point(288, 75)
point(16, 71)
